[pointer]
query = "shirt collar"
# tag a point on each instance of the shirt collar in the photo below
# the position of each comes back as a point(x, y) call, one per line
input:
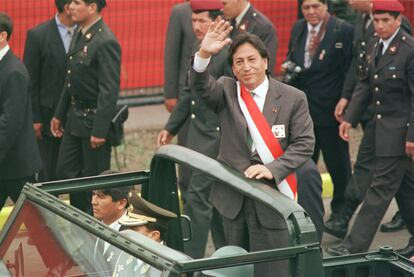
point(261, 90)
point(316, 28)
point(115, 225)
point(388, 41)
point(86, 28)
point(4, 51)
point(242, 14)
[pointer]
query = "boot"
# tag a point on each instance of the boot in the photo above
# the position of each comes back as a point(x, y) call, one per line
point(337, 225)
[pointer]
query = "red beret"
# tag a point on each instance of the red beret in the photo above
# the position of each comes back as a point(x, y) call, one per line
point(205, 5)
point(387, 6)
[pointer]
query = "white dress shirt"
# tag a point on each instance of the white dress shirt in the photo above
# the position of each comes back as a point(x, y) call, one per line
point(3, 51)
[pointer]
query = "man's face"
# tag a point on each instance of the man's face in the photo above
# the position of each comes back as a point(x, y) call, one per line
point(314, 11)
point(361, 5)
point(248, 66)
point(80, 11)
point(105, 209)
point(385, 25)
point(201, 24)
point(231, 8)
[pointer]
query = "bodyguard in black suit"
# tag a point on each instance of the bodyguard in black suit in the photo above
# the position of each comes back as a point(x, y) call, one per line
point(321, 45)
point(88, 101)
point(245, 17)
point(45, 59)
point(19, 154)
point(387, 82)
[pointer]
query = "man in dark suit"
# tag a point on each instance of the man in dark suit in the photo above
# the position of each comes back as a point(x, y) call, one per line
point(244, 17)
point(88, 101)
point(203, 136)
point(322, 45)
point(386, 80)
point(45, 59)
point(177, 53)
point(275, 114)
point(19, 155)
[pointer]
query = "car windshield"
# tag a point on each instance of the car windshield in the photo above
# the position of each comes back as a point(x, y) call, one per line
point(43, 243)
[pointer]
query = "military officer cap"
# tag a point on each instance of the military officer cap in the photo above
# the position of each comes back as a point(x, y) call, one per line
point(142, 212)
point(206, 5)
point(387, 6)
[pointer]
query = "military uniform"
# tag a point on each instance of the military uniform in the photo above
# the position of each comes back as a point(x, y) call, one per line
point(203, 137)
point(389, 85)
point(87, 105)
point(140, 213)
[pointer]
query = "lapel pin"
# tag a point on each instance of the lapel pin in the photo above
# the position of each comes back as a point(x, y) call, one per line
point(88, 36)
point(243, 27)
point(393, 49)
point(322, 55)
point(274, 110)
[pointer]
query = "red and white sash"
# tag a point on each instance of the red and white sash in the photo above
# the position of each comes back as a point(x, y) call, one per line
point(266, 144)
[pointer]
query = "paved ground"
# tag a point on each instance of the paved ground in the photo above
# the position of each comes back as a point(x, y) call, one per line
point(155, 116)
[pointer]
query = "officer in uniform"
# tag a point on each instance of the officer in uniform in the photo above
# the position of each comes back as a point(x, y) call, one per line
point(387, 82)
point(203, 137)
point(362, 173)
point(147, 219)
point(88, 101)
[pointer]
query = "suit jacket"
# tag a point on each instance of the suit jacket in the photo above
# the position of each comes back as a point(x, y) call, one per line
point(362, 36)
point(92, 83)
point(204, 131)
point(19, 154)
point(258, 24)
point(323, 80)
point(45, 59)
point(177, 51)
point(390, 86)
point(283, 105)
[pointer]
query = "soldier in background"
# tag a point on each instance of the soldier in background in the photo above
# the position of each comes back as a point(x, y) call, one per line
point(149, 220)
point(177, 53)
point(89, 99)
point(203, 137)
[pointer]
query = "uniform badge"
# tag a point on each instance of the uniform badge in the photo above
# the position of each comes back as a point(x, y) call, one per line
point(279, 131)
point(88, 36)
point(322, 55)
point(243, 27)
point(110, 257)
point(145, 268)
point(339, 45)
point(393, 49)
point(391, 68)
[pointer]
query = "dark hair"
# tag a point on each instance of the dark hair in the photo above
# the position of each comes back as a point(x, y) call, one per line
point(6, 24)
point(117, 194)
point(211, 13)
point(251, 39)
point(393, 14)
point(154, 226)
point(99, 3)
point(60, 4)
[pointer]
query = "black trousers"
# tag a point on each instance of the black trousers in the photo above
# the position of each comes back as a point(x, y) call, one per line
point(392, 176)
point(247, 232)
point(12, 188)
point(78, 159)
point(49, 150)
point(310, 194)
point(336, 156)
point(203, 215)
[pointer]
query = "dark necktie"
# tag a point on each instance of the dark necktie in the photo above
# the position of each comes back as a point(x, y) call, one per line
point(313, 43)
point(379, 53)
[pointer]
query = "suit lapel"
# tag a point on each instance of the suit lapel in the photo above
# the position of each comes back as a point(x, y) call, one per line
point(324, 43)
point(271, 106)
point(78, 43)
point(240, 121)
point(4, 61)
point(55, 38)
